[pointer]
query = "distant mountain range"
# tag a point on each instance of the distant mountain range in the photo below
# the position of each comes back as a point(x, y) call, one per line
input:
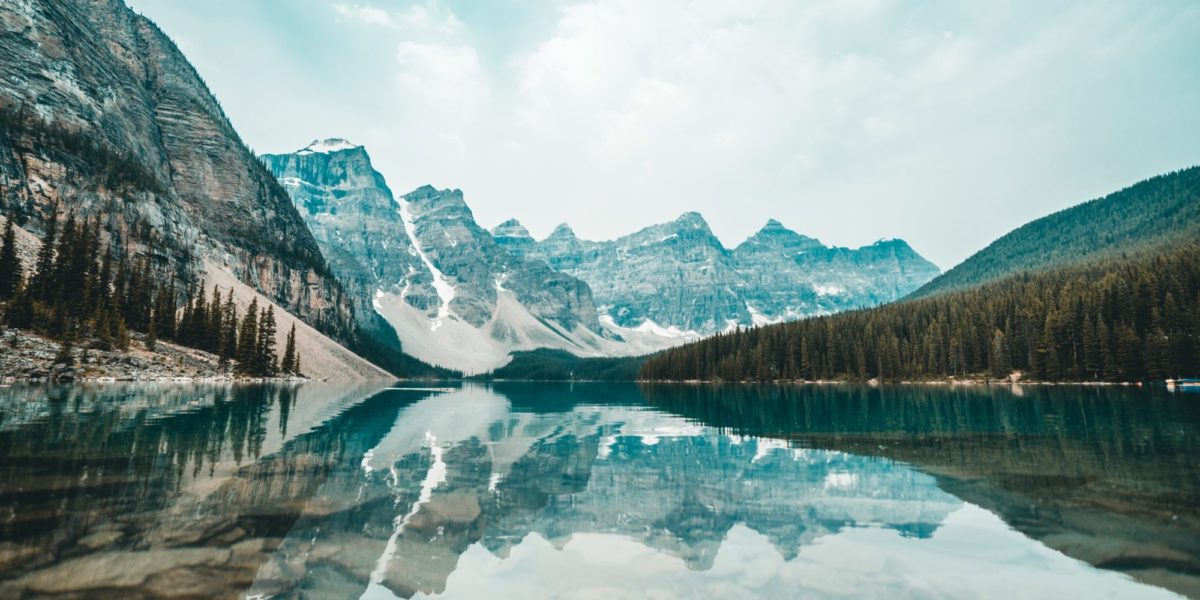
point(462, 297)
point(1108, 290)
point(104, 118)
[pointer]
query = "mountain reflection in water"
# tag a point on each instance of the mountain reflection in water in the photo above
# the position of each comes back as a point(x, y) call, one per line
point(542, 490)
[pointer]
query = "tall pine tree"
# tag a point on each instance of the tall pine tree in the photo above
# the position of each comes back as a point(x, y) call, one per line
point(10, 264)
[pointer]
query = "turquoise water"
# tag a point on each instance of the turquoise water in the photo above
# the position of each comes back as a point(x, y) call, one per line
point(598, 491)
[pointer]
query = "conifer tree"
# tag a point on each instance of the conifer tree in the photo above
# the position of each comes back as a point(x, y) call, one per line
point(229, 340)
point(288, 363)
point(152, 331)
point(40, 283)
point(267, 363)
point(10, 264)
point(998, 355)
point(247, 346)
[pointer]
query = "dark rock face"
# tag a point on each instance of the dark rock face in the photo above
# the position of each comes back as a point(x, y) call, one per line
point(421, 261)
point(479, 266)
point(355, 219)
point(361, 226)
point(104, 116)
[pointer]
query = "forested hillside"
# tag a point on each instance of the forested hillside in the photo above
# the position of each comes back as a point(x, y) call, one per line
point(545, 364)
point(1116, 319)
point(1156, 211)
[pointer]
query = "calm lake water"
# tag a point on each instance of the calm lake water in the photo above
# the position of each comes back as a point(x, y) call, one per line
point(598, 491)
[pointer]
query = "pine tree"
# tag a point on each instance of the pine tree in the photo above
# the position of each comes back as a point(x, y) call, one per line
point(998, 362)
point(216, 327)
point(229, 339)
point(268, 362)
point(152, 332)
point(10, 264)
point(40, 284)
point(247, 347)
point(288, 364)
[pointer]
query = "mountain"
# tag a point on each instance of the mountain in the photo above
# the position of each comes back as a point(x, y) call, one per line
point(1092, 301)
point(1156, 211)
point(103, 117)
point(678, 279)
point(1116, 319)
point(356, 222)
point(459, 296)
point(421, 268)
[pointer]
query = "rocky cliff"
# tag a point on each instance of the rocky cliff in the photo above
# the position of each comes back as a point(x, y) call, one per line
point(459, 296)
point(104, 116)
point(677, 277)
point(453, 294)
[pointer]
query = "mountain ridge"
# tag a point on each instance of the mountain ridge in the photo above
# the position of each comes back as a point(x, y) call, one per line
point(1152, 211)
point(490, 292)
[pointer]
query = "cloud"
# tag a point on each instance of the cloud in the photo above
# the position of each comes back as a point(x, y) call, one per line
point(807, 112)
point(365, 14)
point(431, 17)
point(446, 77)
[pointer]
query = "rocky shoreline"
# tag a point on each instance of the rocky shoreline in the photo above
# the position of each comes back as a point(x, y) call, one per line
point(28, 357)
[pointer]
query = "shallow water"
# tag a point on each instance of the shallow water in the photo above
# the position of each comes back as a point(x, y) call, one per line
point(598, 490)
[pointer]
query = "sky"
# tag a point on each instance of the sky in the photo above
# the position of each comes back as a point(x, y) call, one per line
point(945, 124)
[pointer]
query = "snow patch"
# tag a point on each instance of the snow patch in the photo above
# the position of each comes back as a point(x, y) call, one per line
point(327, 146)
point(758, 318)
point(457, 344)
point(649, 326)
point(444, 289)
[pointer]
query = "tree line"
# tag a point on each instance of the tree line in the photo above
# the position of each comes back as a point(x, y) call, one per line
point(80, 294)
point(1135, 318)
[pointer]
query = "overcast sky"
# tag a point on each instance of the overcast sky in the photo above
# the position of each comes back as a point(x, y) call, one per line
point(945, 124)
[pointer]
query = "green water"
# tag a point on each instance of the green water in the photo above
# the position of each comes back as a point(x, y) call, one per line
point(598, 491)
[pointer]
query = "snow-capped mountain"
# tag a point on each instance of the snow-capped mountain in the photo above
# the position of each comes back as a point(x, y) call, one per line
point(462, 297)
point(677, 277)
point(421, 266)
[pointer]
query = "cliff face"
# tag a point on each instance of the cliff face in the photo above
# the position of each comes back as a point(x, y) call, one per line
point(678, 277)
point(423, 272)
point(355, 219)
point(104, 116)
point(447, 232)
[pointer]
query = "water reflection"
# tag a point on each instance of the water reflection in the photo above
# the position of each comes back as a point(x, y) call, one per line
point(577, 491)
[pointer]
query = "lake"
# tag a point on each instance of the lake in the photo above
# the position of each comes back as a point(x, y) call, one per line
point(598, 491)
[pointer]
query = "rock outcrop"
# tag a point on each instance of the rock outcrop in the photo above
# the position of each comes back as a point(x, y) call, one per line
point(459, 296)
point(104, 117)
point(450, 292)
point(678, 277)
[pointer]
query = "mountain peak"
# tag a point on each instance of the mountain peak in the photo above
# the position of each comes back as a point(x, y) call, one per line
point(563, 231)
point(446, 204)
point(775, 235)
point(511, 228)
point(327, 146)
point(692, 219)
